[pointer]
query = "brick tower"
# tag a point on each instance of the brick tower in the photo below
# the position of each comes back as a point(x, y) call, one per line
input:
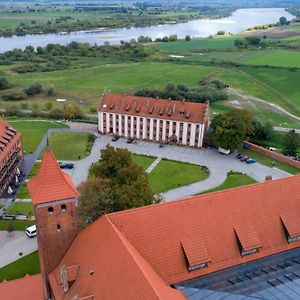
point(54, 197)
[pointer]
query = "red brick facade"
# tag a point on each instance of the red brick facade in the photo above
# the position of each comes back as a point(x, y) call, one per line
point(273, 155)
point(11, 154)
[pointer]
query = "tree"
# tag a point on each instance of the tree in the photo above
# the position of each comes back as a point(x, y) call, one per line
point(119, 184)
point(95, 200)
point(34, 89)
point(291, 143)
point(262, 131)
point(10, 228)
point(231, 128)
point(187, 38)
point(72, 111)
point(48, 105)
point(56, 114)
point(3, 83)
point(283, 21)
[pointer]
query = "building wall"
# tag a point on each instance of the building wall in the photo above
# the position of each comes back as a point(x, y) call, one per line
point(10, 159)
point(190, 134)
point(55, 232)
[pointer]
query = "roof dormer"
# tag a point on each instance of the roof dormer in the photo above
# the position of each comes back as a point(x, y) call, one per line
point(291, 225)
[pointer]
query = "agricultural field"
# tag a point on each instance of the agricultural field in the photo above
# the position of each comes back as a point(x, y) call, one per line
point(33, 131)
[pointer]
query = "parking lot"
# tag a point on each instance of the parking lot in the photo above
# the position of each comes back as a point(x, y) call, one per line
point(219, 165)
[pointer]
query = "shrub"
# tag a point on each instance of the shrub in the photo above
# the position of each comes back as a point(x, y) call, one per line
point(14, 94)
point(56, 114)
point(51, 91)
point(3, 83)
point(34, 89)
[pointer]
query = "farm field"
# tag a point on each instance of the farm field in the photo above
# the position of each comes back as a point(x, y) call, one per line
point(169, 175)
point(33, 131)
point(89, 83)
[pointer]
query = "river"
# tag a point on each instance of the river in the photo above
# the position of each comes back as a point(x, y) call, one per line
point(237, 22)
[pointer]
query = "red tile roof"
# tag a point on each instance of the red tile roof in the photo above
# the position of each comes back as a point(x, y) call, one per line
point(27, 288)
point(51, 183)
point(155, 108)
point(110, 268)
point(137, 254)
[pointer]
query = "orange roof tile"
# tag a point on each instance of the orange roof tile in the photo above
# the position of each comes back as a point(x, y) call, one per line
point(157, 231)
point(137, 254)
point(51, 183)
point(183, 111)
point(27, 288)
point(110, 268)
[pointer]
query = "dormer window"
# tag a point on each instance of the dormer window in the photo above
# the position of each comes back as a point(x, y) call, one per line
point(247, 239)
point(291, 226)
point(195, 253)
point(50, 210)
point(68, 276)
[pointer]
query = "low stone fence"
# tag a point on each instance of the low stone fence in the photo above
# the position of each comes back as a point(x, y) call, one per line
point(272, 154)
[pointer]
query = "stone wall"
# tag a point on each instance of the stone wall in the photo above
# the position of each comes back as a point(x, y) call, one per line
point(273, 155)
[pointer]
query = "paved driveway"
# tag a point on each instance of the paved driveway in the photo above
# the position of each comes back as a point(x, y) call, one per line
point(219, 165)
point(11, 245)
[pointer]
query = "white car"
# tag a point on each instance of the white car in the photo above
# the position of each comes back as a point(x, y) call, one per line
point(224, 151)
point(31, 231)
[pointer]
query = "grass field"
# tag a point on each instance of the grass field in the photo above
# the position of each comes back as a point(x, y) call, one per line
point(142, 160)
point(168, 175)
point(18, 225)
point(197, 44)
point(89, 83)
point(21, 208)
point(28, 264)
point(233, 179)
point(33, 131)
point(268, 162)
point(69, 145)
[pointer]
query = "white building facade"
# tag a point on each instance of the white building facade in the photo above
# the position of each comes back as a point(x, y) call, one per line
point(162, 126)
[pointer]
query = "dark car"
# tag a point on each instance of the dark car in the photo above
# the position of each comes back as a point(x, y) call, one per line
point(66, 165)
point(244, 158)
point(115, 138)
point(129, 141)
point(250, 161)
point(239, 156)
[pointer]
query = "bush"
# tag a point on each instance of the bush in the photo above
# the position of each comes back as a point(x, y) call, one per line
point(51, 91)
point(3, 83)
point(14, 94)
point(34, 89)
point(56, 114)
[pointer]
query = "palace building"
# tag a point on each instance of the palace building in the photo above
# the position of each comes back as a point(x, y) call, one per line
point(11, 156)
point(180, 122)
point(241, 243)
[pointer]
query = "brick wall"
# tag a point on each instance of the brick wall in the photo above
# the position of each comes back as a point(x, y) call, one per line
point(273, 155)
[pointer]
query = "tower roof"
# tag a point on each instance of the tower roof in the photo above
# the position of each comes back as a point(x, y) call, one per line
point(51, 183)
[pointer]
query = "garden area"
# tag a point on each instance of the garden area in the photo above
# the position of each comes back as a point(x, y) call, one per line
point(143, 160)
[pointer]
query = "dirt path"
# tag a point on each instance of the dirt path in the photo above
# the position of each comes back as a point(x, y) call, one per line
point(274, 106)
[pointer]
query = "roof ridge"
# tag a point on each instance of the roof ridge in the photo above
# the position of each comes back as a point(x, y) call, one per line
point(124, 240)
point(186, 199)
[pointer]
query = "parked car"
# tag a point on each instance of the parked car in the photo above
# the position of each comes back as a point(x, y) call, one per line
point(66, 165)
point(224, 151)
point(129, 141)
point(161, 145)
point(239, 156)
point(115, 138)
point(250, 161)
point(244, 158)
point(31, 231)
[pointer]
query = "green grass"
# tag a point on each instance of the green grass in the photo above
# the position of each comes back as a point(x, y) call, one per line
point(88, 83)
point(69, 145)
point(28, 264)
point(169, 175)
point(143, 160)
point(196, 44)
point(18, 225)
point(233, 180)
point(21, 208)
point(268, 161)
point(33, 131)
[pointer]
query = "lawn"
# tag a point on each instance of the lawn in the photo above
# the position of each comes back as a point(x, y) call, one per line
point(33, 131)
point(169, 175)
point(18, 225)
point(143, 160)
point(21, 208)
point(268, 161)
point(233, 180)
point(28, 264)
point(89, 83)
point(69, 145)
